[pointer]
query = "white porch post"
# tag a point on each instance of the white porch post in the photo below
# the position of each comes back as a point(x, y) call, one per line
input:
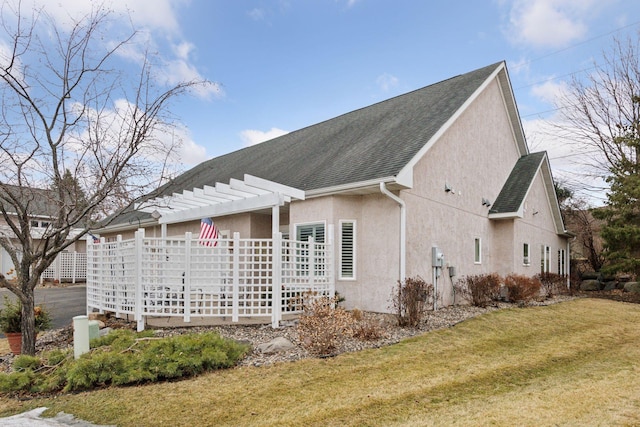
point(276, 267)
point(276, 280)
point(236, 278)
point(139, 238)
point(186, 286)
point(312, 265)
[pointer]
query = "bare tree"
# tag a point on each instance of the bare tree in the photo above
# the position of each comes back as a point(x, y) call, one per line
point(68, 105)
point(597, 111)
point(602, 114)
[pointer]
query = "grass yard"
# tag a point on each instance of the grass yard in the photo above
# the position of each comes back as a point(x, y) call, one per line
point(574, 363)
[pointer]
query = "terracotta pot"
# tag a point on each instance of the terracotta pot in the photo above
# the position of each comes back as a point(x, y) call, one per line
point(15, 342)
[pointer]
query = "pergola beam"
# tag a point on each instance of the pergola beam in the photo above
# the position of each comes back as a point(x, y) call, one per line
point(222, 199)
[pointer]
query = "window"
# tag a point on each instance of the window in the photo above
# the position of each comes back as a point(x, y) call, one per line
point(35, 223)
point(544, 258)
point(477, 258)
point(525, 254)
point(347, 249)
point(303, 232)
point(561, 262)
point(303, 255)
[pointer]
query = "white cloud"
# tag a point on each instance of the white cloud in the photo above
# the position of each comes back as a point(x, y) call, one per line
point(569, 159)
point(549, 91)
point(256, 14)
point(549, 23)
point(253, 137)
point(158, 30)
point(386, 82)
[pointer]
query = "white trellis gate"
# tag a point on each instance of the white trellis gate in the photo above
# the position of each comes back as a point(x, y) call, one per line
point(180, 277)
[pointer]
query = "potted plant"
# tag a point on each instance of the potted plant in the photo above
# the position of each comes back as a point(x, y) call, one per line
point(11, 322)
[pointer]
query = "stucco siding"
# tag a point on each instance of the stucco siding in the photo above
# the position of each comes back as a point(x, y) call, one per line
point(473, 158)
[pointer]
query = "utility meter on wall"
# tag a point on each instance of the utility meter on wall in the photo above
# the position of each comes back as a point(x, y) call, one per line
point(437, 257)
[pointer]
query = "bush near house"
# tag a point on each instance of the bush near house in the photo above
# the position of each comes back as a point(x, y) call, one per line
point(324, 327)
point(552, 284)
point(521, 289)
point(480, 289)
point(409, 301)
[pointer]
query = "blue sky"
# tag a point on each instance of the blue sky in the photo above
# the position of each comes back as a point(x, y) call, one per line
point(283, 65)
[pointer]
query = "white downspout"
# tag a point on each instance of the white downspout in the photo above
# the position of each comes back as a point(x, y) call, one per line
point(403, 229)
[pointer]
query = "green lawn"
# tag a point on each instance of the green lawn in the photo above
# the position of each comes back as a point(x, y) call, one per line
point(574, 363)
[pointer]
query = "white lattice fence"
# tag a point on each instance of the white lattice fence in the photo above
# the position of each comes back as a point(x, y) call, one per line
point(67, 267)
point(180, 277)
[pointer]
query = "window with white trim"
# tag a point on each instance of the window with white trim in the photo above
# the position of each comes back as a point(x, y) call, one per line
point(562, 262)
point(347, 249)
point(525, 254)
point(316, 230)
point(303, 255)
point(477, 257)
point(545, 252)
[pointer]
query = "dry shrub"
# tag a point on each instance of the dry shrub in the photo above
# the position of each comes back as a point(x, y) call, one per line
point(367, 329)
point(323, 326)
point(552, 284)
point(409, 301)
point(521, 288)
point(480, 289)
point(357, 314)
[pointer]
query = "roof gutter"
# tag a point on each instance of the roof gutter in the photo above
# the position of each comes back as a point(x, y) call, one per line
point(403, 229)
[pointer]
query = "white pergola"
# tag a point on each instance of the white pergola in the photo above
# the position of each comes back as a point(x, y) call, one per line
point(247, 195)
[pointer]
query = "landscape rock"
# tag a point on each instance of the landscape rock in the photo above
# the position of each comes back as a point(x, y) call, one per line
point(632, 287)
point(276, 345)
point(590, 285)
point(609, 286)
point(590, 275)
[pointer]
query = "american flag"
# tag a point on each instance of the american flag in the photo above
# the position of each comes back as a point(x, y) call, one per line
point(208, 232)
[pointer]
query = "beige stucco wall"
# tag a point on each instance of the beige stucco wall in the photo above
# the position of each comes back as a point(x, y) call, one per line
point(377, 228)
point(473, 157)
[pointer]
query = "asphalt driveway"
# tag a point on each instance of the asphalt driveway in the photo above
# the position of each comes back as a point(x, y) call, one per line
point(63, 303)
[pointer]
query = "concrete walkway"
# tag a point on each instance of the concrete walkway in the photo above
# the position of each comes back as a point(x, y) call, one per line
point(33, 419)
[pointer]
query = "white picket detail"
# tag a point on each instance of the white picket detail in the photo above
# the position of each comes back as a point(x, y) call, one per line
point(180, 277)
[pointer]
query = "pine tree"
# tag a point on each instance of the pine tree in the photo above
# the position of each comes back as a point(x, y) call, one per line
point(622, 212)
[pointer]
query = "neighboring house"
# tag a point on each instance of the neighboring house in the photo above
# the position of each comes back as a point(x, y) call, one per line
point(441, 170)
point(69, 265)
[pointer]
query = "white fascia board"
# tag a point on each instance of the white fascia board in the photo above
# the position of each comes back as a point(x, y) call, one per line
point(552, 199)
point(274, 187)
point(125, 226)
point(337, 189)
point(406, 174)
point(507, 215)
point(509, 101)
point(233, 207)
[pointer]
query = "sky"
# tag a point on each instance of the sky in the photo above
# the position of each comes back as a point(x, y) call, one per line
point(281, 65)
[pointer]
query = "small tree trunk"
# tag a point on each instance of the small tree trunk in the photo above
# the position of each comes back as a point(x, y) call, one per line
point(28, 324)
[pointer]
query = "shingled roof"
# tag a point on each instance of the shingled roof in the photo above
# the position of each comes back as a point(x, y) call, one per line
point(517, 185)
point(367, 144)
point(371, 144)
